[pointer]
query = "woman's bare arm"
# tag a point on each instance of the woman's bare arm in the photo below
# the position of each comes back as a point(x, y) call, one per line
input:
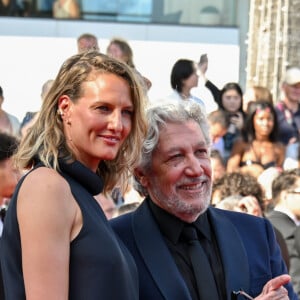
point(236, 155)
point(46, 213)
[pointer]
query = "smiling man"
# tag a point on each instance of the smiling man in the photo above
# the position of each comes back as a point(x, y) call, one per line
point(183, 248)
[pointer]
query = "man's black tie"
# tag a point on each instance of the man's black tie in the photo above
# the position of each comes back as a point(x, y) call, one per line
point(207, 289)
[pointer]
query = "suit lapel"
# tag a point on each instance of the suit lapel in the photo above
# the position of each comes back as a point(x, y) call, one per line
point(156, 255)
point(284, 222)
point(163, 268)
point(233, 253)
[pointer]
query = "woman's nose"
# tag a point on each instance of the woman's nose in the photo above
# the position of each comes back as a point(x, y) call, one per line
point(115, 122)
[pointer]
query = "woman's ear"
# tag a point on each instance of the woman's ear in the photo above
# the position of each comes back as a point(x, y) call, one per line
point(64, 105)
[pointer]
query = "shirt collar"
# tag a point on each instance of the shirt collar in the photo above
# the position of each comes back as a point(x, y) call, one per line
point(202, 224)
point(171, 227)
point(286, 211)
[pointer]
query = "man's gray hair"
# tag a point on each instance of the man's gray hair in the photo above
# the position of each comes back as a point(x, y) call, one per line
point(158, 116)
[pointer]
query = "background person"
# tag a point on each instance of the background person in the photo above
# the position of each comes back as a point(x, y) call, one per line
point(288, 109)
point(217, 164)
point(219, 123)
point(259, 147)
point(8, 123)
point(66, 9)
point(243, 185)
point(229, 99)
point(57, 243)
point(31, 117)
point(286, 217)
point(120, 49)
point(86, 42)
point(9, 175)
point(184, 77)
point(254, 93)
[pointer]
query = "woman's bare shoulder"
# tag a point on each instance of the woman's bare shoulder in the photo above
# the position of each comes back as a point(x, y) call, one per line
point(46, 195)
point(280, 145)
point(44, 177)
point(46, 184)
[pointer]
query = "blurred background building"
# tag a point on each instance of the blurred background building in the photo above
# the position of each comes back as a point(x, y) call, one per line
point(247, 41)
point(274, 41)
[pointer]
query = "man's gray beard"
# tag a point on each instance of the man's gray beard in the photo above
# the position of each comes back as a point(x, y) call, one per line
point(177, 206)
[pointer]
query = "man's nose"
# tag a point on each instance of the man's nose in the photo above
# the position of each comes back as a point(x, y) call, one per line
point(194, 167)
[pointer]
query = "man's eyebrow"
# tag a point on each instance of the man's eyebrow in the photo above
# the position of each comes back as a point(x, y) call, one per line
point(202, 144)
point(178, 148)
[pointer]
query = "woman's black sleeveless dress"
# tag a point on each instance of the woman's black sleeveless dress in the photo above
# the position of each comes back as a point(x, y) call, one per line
point(100, 265)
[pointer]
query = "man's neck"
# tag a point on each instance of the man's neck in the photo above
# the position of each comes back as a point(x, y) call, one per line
point(291, 105)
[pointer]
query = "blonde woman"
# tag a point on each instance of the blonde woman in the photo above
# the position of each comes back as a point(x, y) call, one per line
point(57, 243)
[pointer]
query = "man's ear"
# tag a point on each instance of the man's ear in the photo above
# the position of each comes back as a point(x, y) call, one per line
point(140, 175)
point(283, 195)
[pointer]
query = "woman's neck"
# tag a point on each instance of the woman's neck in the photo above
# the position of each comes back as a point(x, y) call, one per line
point(185, 93)
point(262, 138)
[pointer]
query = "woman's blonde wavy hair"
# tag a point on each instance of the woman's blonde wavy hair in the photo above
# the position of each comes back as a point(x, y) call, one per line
point(46, 141)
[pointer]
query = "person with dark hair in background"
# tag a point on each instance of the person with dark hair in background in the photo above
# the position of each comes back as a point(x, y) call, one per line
point(239, 184)
point(9, 177)
point(219, 122)
point(184, 77)
point(183, 248)
point(259, 148)
point(57, 242)
point(230, 99)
